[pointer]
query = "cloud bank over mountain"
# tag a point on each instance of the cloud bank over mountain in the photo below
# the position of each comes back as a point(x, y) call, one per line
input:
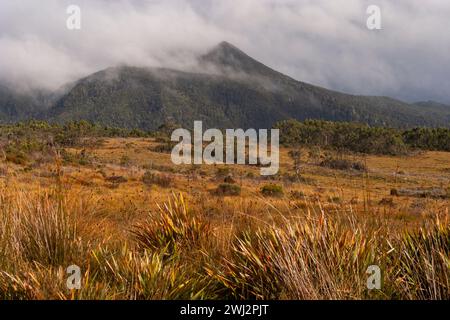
point(318, 41)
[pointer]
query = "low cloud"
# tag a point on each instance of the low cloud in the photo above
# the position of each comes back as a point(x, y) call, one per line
point(318, 41)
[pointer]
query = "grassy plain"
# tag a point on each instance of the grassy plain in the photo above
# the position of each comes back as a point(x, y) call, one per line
point(140, 227)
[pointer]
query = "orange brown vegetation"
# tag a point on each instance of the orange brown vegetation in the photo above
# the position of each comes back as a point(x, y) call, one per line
point(147, 229)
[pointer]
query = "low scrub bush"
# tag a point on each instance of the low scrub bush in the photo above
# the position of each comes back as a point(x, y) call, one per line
point(116, 179)
point(16, 156)
point(152, 178)
point(272, 190)
point(79, 158)
point(223, 172)
point(343, 164)
point(228, 189)
point(163, 148)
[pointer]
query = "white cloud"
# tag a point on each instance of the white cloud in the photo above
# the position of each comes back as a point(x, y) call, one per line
point(320, 41)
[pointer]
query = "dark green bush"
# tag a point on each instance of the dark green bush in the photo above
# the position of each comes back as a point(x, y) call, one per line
point(343, 164)
point(272, 190)
point(16, 156)
point(355, 137)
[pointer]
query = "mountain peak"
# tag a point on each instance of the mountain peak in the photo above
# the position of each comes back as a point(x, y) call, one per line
point(229, 58)
point(227, 55)
point(227, 47)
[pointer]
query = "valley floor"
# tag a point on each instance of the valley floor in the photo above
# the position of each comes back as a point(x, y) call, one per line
point(140, 227)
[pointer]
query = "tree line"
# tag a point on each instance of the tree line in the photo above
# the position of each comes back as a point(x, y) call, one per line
point(340, 136)
point(355, 137)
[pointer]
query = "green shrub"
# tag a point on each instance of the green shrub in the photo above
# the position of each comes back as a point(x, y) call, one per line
point(272, 190)
point(16, 156)
point(79, 158)
point(355, 137)
point(223, 172)
point(343, 164)
point(250, 175)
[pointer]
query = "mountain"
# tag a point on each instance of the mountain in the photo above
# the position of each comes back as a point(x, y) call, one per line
point(433, 105)
point(17, 105)
point(231, 61)
point(229, 89)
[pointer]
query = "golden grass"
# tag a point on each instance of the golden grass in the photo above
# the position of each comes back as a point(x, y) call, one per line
point(145, 241)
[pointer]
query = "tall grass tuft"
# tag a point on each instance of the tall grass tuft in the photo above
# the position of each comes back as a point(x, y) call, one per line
point(145, 275)
point(174, 226)
point(192, 254)
point(307, 259)
point(423, 270)
point(38, 228)
point(38, 241)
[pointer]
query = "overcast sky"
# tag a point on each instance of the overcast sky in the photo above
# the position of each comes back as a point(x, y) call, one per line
point(324, 42)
